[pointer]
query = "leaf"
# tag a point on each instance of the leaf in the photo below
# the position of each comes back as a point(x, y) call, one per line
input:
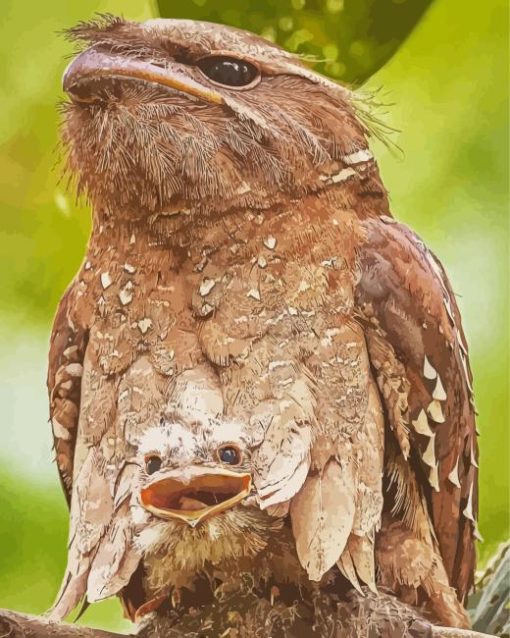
point(352, 38)
point(322, 515)
point(489, 606)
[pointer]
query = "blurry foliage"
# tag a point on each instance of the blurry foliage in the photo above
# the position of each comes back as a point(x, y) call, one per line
point(448, 85)
point(351, 39)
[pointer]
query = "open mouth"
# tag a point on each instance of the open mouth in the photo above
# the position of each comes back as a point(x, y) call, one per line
point(195, 496)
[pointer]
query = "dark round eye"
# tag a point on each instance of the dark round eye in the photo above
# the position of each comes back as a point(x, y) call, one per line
point(228, 71)
point(230, 455)
point(152, 464)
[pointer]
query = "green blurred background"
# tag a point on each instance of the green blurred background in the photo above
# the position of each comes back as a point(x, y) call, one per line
point(448, 86)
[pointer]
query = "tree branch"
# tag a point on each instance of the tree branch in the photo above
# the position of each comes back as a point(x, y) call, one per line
point(17, 625)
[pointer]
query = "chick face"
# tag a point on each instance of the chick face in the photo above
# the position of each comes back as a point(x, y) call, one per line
point(193, 503)
point(192, 472)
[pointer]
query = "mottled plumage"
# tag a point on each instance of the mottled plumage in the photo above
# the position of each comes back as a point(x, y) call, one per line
point(243, 254)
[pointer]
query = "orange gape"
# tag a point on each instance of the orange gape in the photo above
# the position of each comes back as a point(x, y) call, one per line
point(251, 326)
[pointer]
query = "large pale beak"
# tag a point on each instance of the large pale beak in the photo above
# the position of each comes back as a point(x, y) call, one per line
point(194, 494)
point(92, 70)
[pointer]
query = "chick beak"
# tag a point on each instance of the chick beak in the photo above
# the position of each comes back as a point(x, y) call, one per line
point(194, 494)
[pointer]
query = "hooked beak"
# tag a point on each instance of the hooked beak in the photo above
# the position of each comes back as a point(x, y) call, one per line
point(195, 494)
point(92, 70)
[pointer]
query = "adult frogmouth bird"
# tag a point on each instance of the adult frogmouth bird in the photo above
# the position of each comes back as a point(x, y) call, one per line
point(241, 232)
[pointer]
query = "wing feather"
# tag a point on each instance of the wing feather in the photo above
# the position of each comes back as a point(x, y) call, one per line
point(407, 305)
point(67, 351)
point(89, 456)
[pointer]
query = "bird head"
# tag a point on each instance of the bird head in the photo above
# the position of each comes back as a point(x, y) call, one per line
point(191, 473)
point(193, 500)
point(171, 115)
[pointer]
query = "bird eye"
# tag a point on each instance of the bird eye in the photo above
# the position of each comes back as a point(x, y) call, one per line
point(152, 464)
point(228, 71)
point(229, 455)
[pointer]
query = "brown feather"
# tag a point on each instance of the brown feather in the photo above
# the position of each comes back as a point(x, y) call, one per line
point(406, 299)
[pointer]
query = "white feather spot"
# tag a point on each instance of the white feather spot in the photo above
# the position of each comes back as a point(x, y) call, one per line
point(449, 309)
point(278, 364)
point(144, 325)
point(59, 431)
point(363, 155)
point(435, 411)
point(126, 294)
point(206, 309)
point(466, 374)
point(439, 391)
point(429, 372)
point(106, 280)
point(453, 477)
point(270, 242)
point(468, 510)
point(473, 457)
point(421, 424)
point(434, 478)
point(338, 178)
point(254, 294)
point(206, 286)
point(461, 343)
point(243, 188)
point(429, 456)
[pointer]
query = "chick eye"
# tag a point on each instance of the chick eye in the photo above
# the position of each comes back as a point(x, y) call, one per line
point(152, 464)
point(228, 71)
point(229, 454)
